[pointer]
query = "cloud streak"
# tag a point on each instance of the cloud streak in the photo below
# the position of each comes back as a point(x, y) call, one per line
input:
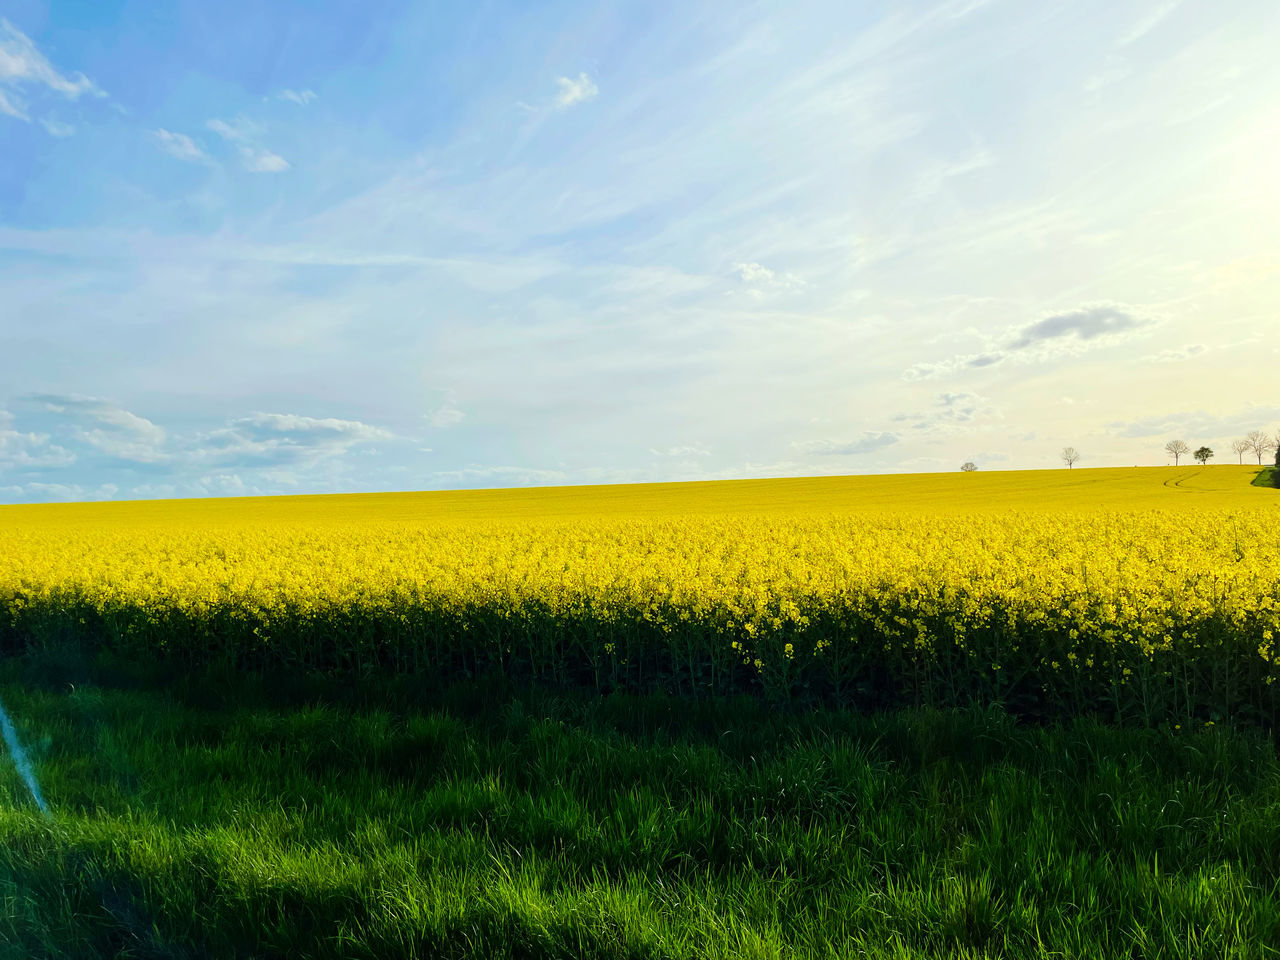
point(301, 97)
point(869, 442)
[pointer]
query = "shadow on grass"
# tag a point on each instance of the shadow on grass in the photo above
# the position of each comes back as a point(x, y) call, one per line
point(389, 817)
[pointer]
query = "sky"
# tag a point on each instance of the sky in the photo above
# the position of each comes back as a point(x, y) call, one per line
point(307, 247)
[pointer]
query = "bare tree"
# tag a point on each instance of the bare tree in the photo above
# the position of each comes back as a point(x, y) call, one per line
point(1240, 448)
point(1204, 455)
point(1177, 449)
point(968, 466)
point(1259, 443)
point(1069, 456)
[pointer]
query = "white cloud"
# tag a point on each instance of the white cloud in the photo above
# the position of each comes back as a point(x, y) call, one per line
point(237, 131)
point(756, 275)
point(300, 97)
point(572, 91)
point(262, 161)
point(22, 64)
point(56, 128)
point(447, 414)
point(245, 134)
point(261, 439)
point(180, 145)
point(282, 438)
point(107, 428)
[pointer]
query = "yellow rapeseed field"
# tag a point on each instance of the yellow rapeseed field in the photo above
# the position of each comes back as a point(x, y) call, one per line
point(1150, 594)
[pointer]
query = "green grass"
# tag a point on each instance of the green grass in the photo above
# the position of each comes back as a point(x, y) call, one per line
point(1265, 477)
point(216, 819)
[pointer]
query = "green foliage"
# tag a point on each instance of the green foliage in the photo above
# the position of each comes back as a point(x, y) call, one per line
point(1203, 455)
point(469, 820)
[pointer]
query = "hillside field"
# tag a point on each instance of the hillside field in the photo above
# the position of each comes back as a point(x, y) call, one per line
point(1119, 488)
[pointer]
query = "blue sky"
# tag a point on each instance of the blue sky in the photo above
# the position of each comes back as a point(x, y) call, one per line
point(302, 247)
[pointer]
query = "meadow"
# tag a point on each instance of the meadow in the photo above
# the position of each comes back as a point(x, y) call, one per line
point(1020, 714)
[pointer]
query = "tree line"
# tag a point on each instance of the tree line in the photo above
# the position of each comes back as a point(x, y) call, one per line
point(1256, 443)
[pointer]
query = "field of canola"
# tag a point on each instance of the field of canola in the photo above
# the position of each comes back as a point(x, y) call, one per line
point(1144, 595)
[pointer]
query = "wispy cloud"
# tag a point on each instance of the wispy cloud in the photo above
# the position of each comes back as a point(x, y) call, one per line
point(573, 90)
point(952, 414)
point(245, 134)
point(100, 427)
point(22, 64)
point(239, 130)
point(23, 68)
point(281, 438)
point(690, 450)
point(869, 442)
point(1147, 22)
point(107, 428)
point(1176, 356)
point(29, 451)
point(262, 161)
point(56, 128)
point(447, 414)
point(300, 97)
point(1200, 423)
point(932, 179)
point(10, 108)
point(969, 361)
point(498, 476)
point(180, 145)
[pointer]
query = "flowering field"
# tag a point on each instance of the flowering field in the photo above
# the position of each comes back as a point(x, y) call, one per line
point(1145, 595)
